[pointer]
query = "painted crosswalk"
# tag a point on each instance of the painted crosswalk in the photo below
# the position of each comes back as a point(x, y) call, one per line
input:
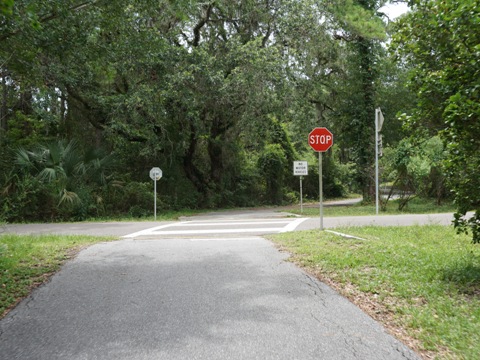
point(219, 227)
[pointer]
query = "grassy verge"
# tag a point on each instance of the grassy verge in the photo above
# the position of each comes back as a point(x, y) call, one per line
point(422, 282)
point(28, 261)
point(415, 206)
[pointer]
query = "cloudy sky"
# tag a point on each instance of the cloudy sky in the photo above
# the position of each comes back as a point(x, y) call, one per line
point(394, 10)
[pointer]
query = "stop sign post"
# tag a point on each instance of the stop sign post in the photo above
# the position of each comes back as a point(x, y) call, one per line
point(320, 139)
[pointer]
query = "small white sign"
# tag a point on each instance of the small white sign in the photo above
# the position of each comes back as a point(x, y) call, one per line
point(300, 168)
point(155, 173)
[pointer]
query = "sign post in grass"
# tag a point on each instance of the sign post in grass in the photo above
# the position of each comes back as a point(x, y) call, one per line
point(320, 139)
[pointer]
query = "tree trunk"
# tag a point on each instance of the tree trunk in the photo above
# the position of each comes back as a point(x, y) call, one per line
point(3, 109)
point(366, 140)
point(191, 171)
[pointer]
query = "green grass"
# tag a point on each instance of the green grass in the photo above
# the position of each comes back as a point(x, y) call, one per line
point(27, 261)
point(415, 206)
point(423, 280)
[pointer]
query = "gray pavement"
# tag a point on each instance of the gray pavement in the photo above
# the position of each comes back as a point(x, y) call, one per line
point(231, 298)
point(206, 287)
point(124, 228)
point(112, 228)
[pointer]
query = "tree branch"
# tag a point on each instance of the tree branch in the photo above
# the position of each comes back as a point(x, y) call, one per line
point(51, 17)
point(201, 24)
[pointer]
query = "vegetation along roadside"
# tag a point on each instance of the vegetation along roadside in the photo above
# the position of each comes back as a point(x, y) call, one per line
point(222, 97)
point(415, 206)
point(421, 282)
point(29, 261)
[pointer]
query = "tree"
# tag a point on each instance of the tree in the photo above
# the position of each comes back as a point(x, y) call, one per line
point(35, 31)
point(192, 87)
point(415, 169)
point(6, 7)
point(360, 29)
point(440, 41)
point(183, 84)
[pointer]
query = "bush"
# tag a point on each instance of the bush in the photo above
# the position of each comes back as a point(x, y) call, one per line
point(338, 179)
point(176, 191)
point(415, 169)
point(26, 199)
point(272, 164)
point(133, 198)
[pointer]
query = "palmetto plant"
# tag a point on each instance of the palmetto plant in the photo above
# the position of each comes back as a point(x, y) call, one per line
point(64, 165)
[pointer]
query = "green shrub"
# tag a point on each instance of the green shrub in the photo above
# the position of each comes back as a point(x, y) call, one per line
point(26, 199)
point(272, 164)
point(132, 195)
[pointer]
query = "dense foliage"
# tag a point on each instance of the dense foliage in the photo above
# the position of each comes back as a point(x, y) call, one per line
point(440, 40)
point(221, 96)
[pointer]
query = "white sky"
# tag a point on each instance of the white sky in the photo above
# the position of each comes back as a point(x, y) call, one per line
point(394, 10)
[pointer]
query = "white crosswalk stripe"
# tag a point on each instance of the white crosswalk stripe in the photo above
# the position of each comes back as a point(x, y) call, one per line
point(194, 228)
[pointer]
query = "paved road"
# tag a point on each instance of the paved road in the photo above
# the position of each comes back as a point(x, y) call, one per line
point(206, 287)
point(82, 228)
point(251, 222)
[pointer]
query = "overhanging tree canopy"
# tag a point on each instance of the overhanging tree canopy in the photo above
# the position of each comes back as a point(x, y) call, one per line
point(440, 40)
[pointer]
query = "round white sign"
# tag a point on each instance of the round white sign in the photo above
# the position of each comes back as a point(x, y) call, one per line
point(156, 173)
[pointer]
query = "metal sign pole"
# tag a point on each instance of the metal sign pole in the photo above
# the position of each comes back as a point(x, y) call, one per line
point(155, 198)
point(155, 174)
point(378, 152)
point(301, 195)
point(320, 139)
point(300, 168)
point(376, 162)
point(320, 188)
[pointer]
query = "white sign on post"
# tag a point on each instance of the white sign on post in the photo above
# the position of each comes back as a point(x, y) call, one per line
point(155, 175)
point(300, 168)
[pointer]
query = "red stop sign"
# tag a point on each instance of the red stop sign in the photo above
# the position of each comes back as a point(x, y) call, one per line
point(320, 139)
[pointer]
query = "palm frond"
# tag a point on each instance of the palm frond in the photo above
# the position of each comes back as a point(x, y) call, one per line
point(47, 175)
point(72, 158)
point(23, 159)
point(51, 174)
point(69, 197)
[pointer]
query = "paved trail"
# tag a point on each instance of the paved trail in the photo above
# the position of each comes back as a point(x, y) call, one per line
point(218, 298)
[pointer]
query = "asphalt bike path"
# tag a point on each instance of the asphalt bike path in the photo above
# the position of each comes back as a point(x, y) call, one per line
point(193, 289)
